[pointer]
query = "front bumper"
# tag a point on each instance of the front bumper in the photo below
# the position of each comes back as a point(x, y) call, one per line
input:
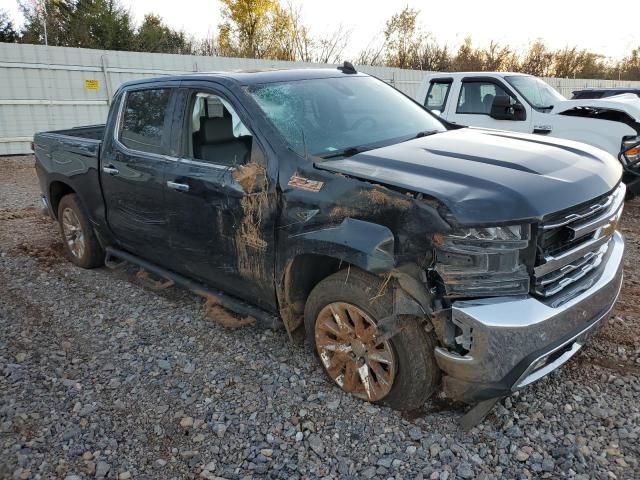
point(518, 340)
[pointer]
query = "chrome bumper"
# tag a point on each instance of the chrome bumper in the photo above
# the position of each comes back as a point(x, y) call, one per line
point(518, 340)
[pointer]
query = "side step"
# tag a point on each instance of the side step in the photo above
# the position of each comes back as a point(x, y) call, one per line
point(264, 319)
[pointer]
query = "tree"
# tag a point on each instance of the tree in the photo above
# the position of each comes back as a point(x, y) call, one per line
point(432, 56)
point(101, 24)
point(57, 17)
point(538, 60)
point(327, 48)
point(629, 67)
point(79, 23)
point(468, 58)
point(155, 36)
point(402, 38)
point(7, 31)
point(497, 57)
point(372, 54)
point(255, 29)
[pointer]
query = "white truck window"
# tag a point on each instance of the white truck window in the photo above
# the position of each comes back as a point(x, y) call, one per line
point(477, 97)
point(437, 95)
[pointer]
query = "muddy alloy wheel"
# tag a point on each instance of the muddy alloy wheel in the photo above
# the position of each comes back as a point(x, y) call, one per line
point(345, 339)
point(73, 234)
point(80, 241)
point(340, 320)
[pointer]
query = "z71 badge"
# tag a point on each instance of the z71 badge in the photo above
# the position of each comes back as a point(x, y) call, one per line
point(305, 184)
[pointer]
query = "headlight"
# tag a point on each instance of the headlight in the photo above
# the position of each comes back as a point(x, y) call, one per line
point(631, 150)
point(483, 261)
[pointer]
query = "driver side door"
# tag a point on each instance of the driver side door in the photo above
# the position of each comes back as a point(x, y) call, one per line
point(221, 204)
point(472, 106)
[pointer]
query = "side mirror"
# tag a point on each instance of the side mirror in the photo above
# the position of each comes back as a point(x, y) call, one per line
point(436, 112)
point(501, 108)
point(519, 112)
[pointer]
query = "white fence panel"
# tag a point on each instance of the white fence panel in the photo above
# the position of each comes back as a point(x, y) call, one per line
point(43, 88)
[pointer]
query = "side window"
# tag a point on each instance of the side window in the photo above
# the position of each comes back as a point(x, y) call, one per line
point(216, 134)
point(437, 95)
point(477, 97)
point(142, 126)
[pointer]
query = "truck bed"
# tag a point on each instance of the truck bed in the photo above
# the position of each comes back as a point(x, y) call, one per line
point(89, 132)
point(71, 155)
point(61, 145)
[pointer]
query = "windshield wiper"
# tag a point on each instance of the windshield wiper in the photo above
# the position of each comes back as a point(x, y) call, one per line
point(426, 133)
point(346, 152)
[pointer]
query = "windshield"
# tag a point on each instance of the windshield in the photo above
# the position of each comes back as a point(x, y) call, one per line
point(538, 93)
point(329, 115)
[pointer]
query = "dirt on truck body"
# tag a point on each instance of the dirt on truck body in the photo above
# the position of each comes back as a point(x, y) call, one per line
point(411, 254)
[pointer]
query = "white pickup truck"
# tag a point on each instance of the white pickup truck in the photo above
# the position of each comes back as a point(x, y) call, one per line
point(523, 103)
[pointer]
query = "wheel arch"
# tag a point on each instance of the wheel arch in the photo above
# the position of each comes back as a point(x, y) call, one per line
point(57, 190)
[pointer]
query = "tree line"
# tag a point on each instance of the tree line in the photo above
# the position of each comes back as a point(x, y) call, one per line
point(270, 29)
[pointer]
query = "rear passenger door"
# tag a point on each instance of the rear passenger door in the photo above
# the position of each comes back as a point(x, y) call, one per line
point(220, 202)
point(134, 163)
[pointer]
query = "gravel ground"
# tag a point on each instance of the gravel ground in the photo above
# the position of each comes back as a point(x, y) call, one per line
point(105, 378)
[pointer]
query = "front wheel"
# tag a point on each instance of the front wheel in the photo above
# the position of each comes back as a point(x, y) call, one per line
point(341, 317)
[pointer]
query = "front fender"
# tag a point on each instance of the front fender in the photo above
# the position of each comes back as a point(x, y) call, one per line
point(366, 245)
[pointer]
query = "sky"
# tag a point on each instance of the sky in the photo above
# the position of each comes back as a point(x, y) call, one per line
point(558, 22)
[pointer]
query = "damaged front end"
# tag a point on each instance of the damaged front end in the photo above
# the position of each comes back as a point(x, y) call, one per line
point(519, 301)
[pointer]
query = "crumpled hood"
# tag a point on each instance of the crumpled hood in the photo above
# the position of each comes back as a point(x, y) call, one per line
point(626, 102)
point(490, 176)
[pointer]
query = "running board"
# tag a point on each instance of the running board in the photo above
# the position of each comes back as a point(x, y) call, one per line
point(264, 319)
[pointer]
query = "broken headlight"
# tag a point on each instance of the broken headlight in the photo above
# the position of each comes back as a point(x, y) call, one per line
point(631, 150)
point(483, 261)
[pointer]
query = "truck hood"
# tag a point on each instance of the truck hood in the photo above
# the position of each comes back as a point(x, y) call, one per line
point(627, 102)
point(489, 176)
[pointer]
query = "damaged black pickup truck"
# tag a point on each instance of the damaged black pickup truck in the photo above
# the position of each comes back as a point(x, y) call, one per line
point(411, 253)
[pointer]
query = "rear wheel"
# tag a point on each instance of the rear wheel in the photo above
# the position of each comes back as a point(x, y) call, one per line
point(80, 242)
point(341, 317)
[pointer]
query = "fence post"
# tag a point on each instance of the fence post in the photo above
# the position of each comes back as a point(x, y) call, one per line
point(107, 80)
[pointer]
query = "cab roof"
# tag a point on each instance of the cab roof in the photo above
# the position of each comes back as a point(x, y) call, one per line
point(251, 77)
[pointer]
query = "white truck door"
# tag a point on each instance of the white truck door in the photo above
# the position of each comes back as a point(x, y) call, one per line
point(486, 102)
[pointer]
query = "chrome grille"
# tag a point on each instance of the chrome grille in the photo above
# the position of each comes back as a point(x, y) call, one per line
point(573, 246)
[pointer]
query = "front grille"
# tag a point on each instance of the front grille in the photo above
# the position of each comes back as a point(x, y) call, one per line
point(571, 247)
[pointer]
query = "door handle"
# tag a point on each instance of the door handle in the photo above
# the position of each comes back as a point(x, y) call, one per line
point(111, 170)
point(180, 187)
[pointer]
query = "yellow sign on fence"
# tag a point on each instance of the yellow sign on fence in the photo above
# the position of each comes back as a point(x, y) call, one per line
point(92, 84)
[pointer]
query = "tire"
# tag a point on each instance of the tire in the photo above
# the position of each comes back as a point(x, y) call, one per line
point(74, 225)
point(417, 375)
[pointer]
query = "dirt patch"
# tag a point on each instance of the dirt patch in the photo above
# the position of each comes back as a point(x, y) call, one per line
point(250, 245)
point(29, 212)
point(216, 312)
point(343, 212)
point(46, 255)
point(370, 201)
point(380, 196)
point(618, 366)
point(251, 177)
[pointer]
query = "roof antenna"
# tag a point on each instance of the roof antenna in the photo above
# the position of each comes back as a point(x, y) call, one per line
point(348, 68)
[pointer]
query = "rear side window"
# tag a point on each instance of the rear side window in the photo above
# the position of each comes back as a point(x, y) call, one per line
point(143, 122)
point(437, 95)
